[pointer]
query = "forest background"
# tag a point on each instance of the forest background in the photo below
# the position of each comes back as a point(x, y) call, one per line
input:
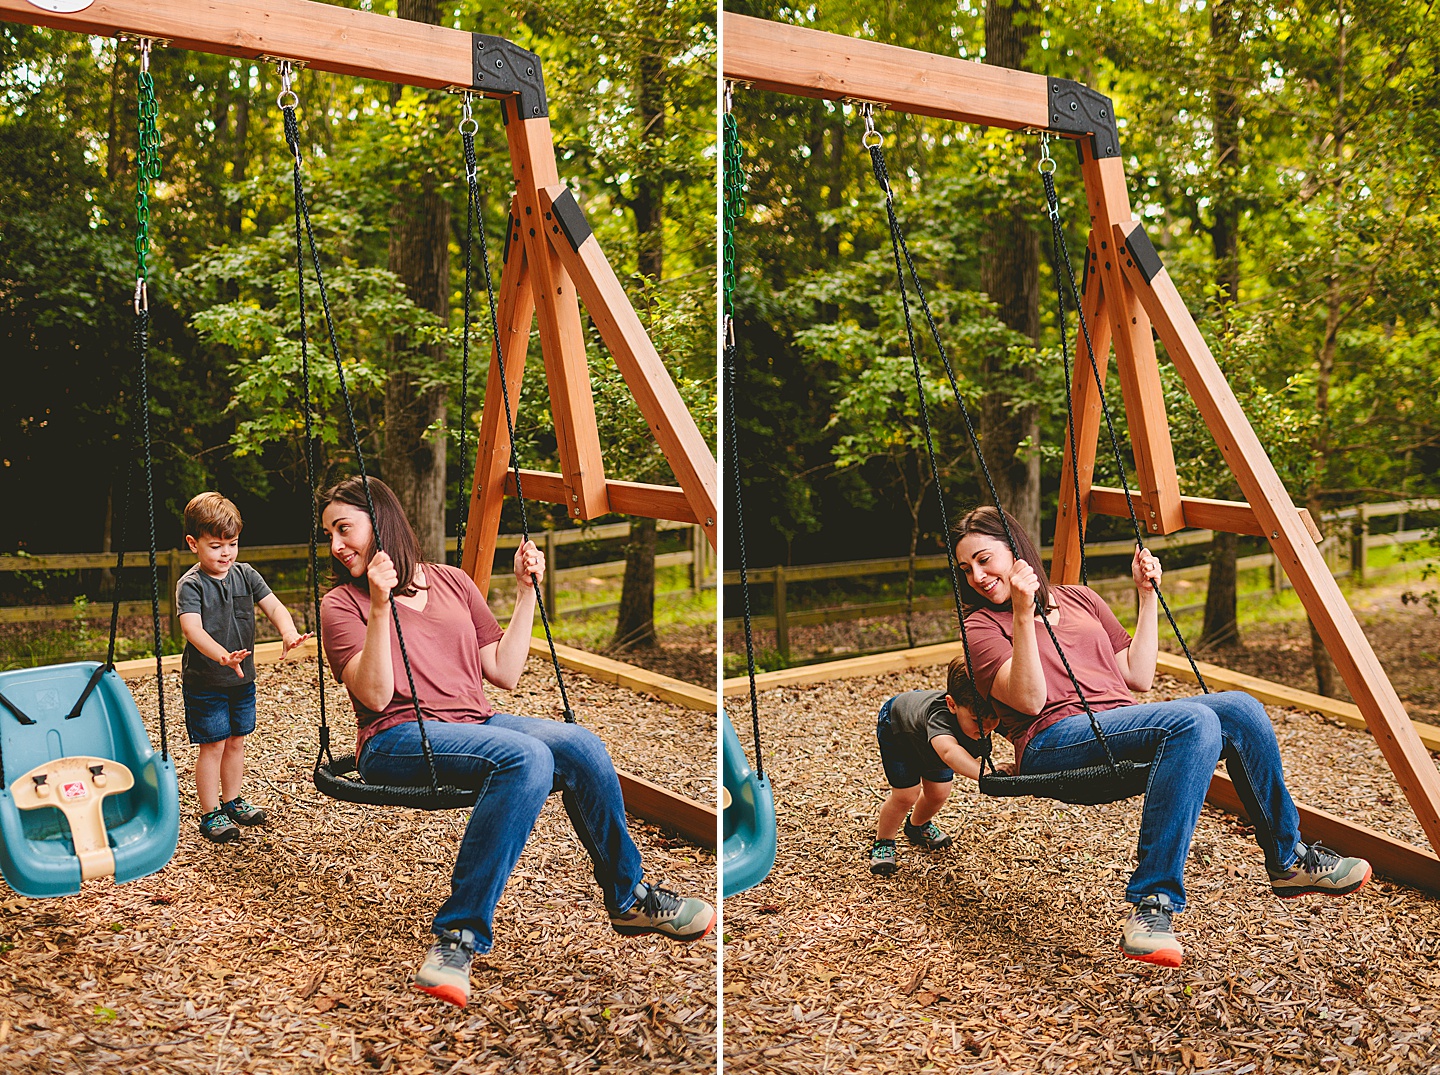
point(631, 89)
point(1283, 158)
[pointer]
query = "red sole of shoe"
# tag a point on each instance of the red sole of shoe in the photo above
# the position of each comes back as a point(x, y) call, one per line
point(1165, 957)
point(449, 994)
point(631, 931)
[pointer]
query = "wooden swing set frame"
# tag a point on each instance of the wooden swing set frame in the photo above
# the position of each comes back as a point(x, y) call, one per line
point(551, 261)
point(1129, 295)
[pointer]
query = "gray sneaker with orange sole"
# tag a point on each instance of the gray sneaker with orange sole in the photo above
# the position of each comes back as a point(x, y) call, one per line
point(1319, 870)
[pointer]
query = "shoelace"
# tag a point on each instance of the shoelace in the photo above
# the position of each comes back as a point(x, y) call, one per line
point(929, 830)
point(455, 954)
point(1154, 914)
point(659, 902)
point(883, 851)
point(1318, 859)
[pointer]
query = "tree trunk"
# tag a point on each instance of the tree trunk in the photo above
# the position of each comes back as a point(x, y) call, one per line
point(1222, 627)
point(635, 624)
point(1009, 267)
point(413, 465)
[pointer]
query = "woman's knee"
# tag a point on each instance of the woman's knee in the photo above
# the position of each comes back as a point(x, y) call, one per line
point(1195, 724)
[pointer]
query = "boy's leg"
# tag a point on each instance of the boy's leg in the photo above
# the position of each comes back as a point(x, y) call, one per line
point(892, 812)
point(207, 775)
point(232, 768)
point(207, 721)
point(933, 796)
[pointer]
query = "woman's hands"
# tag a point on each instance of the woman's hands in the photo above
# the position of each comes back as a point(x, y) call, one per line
point(1024, 585)
point(529, 561)
point(382, 577)
point(1144, 569)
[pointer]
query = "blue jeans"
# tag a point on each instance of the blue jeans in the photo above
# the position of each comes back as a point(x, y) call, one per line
point(516, 762)
point(1184, 739)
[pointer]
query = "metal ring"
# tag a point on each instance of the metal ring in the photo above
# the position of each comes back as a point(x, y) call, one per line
point(1044, 161)
point(879, 139)
point(472, 129)
point(294, 99)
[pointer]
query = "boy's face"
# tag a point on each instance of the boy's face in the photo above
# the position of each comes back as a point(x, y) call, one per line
point(215, 553)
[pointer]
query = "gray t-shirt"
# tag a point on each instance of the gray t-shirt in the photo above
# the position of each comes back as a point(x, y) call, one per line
point(227, 612)
point(917, 717)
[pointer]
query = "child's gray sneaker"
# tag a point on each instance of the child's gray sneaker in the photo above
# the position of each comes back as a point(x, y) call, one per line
point(1318, 869)
point(927, 836)
point(243, 812)
point(1147, 935)
point(658, 910)
point(446, 971)
point(217, 827)
point(882, 858)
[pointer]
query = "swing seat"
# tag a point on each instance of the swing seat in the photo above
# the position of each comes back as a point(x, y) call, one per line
point(341, 780)
point(1093, 785)
point(113, 808)
point(749, 814)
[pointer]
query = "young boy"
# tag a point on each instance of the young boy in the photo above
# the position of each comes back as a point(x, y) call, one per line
point(216, 599)
point(926, 737)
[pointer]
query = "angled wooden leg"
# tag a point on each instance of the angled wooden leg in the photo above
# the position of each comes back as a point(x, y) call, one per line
point(1109, 203)
point(514, 315)
point(1319, 593)
point(1065, 564)
point(562, 339)
point(687, 452)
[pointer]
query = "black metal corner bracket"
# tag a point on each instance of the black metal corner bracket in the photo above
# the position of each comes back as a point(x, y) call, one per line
point(1142, 251)
point(501, 66)
point(1077, 109)
point(570, 219)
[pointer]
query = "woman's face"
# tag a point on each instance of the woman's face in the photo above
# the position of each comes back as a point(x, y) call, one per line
point(986, 563)
point(350, 534)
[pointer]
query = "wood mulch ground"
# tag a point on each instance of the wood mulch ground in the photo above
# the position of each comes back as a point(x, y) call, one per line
point(291, 950)
point(1000, 953)
point(685, 652)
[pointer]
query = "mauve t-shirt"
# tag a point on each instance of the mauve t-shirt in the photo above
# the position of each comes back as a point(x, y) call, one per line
point(443, 641)
point(1090, 635)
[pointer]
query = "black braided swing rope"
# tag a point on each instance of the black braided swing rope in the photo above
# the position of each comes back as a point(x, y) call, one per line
point(474, 218)
point(381, 794)
point(734, 201)
point(1101, 783)
point(1058, 233)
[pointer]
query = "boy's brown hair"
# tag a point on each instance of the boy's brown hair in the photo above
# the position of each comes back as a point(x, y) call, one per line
point(960, 687)
point(213, 514)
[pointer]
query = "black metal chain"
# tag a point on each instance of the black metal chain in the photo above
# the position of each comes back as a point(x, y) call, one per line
point(1058, 236)
point(899, 246)
point(474, 219)
point(147, 167)
point(733, 206)
point(287, 101)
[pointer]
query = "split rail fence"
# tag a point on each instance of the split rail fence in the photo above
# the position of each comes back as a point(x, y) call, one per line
point(175, 562)
point(1344, 551)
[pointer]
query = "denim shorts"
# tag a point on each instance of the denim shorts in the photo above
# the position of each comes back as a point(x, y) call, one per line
point(212, 716)
point(904, 766)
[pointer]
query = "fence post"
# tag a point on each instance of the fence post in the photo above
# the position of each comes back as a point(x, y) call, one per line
point(1357, 547)
point(550, 568)
point(782, 629)
point(1277, 575)
point(173, 575)
point(697, 566)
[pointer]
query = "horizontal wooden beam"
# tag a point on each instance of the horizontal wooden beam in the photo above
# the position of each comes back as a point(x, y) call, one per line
point(1228, 516)
point(627, 498)
point(693, 820)
point(810, 63)
point(1391, 858)
point(640, 680)
point(323, 36)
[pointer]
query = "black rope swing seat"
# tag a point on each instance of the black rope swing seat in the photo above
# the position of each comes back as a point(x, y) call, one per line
point(338, 776)
point(1116, 778)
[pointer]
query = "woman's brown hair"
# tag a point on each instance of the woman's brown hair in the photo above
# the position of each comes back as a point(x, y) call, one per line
point(392, 532)
point(986, 521)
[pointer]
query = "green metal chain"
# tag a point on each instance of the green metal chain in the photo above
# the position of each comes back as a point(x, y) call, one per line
point(147, 168)
point(734, 205)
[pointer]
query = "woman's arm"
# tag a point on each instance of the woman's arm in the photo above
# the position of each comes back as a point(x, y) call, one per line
point(370, 675)
point(504, 661)
point(1020, 683)
point(1137, 661)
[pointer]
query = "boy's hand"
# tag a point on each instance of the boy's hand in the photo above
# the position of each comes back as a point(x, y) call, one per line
point(293, 640)
point(235, 660)
point(1145, 568)
point(529, 560)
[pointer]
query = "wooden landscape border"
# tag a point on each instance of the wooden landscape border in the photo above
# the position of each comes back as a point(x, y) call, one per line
point(1128, 299)
point(1395, 859)
point(694, 820)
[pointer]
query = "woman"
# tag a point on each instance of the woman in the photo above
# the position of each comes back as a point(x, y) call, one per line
point(1184, 739)
point(454, 644)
